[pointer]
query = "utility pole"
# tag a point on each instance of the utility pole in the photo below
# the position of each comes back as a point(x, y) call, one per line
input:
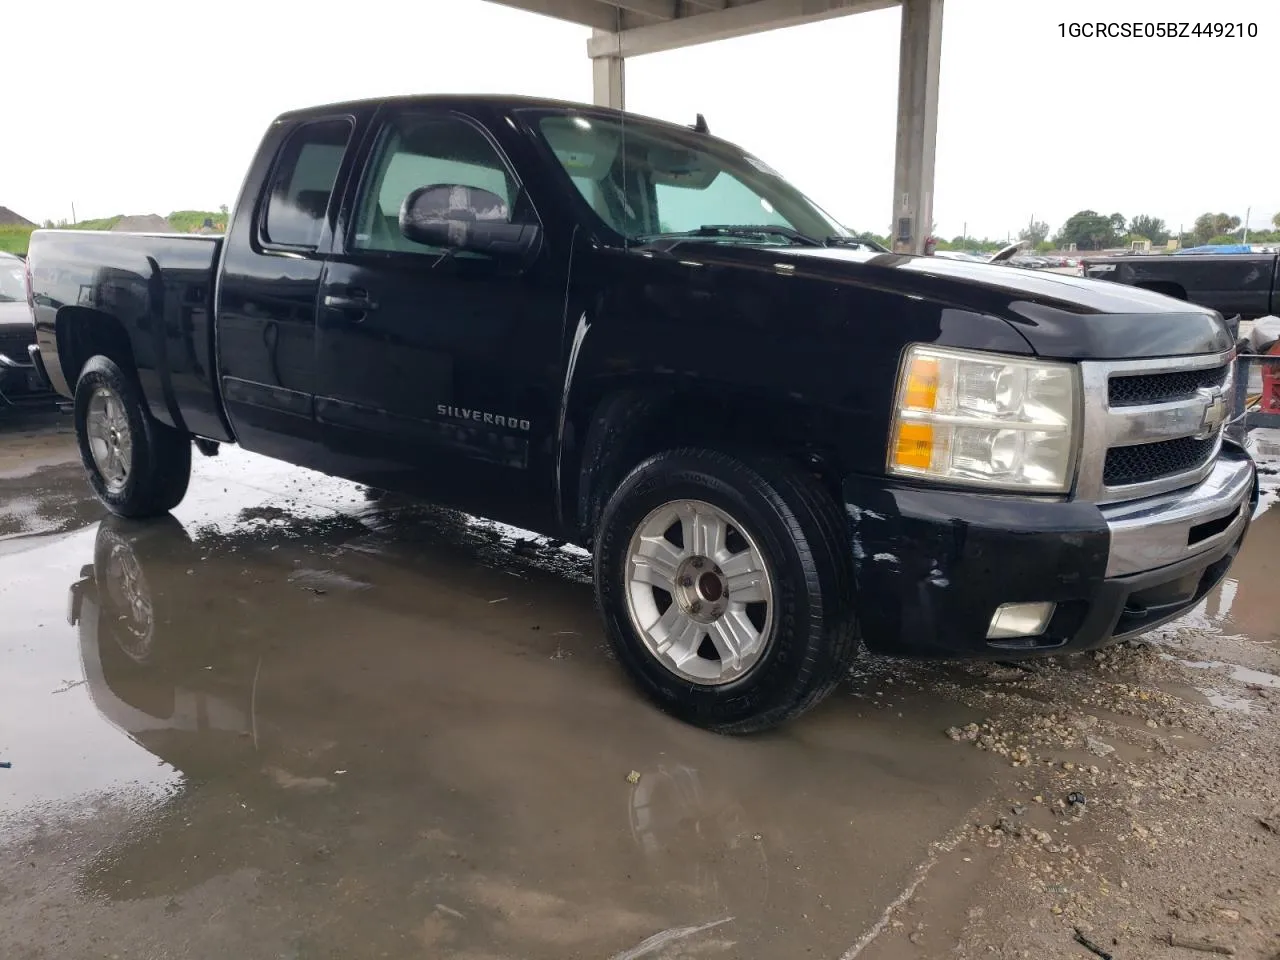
point(964, 233)
point(1247, 211)
point(73, 213)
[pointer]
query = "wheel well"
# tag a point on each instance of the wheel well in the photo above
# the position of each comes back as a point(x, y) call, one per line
point(1167, 287)
point(629, 427)
point(83, 333)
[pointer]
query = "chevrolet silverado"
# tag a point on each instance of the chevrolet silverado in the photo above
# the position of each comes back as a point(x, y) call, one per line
point(778, 443)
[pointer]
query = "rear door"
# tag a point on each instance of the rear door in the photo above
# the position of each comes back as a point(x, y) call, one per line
point(439, 370)
point(266, 326)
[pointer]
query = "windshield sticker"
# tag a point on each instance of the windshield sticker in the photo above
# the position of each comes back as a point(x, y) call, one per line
point(575, 161)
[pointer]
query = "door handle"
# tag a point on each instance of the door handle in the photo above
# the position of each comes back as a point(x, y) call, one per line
point(357, 301)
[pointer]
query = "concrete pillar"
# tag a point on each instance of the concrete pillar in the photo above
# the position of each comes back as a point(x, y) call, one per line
point(918, 67)
point(608, 76)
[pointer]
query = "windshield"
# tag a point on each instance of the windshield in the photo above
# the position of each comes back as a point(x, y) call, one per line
point(661, 180)
point(12, 285)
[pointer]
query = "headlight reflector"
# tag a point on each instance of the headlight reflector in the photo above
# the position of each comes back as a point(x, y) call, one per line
point(981, 418)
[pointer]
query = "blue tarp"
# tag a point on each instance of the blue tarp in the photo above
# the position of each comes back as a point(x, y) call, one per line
point(1218, 248)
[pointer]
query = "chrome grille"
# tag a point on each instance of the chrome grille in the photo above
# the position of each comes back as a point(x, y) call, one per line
point(1163, 387)
point(1154, 461)
point(1151, 426)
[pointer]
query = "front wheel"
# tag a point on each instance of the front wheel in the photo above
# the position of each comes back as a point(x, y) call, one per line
point(726, 588)
point(137, 466)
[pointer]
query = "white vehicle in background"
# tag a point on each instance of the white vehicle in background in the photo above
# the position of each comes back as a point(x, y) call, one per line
point(1002, 255)
point(960, 255)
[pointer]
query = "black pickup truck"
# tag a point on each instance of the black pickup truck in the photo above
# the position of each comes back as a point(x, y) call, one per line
point(640, 338)
point(1243, 284)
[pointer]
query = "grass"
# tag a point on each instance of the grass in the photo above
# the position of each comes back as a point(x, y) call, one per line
point(189, 221)
point(15, 239)
point(104, 223)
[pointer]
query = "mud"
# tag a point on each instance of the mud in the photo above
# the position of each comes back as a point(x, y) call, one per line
point(301, 719)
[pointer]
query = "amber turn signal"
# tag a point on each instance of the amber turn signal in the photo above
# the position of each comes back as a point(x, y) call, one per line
point(915, 446)
point(922, 383)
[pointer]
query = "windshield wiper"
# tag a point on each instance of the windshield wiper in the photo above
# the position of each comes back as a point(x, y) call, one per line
point(741, 230)
point(838, 240)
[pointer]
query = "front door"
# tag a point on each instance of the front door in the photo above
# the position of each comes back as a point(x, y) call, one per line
point(440, 369)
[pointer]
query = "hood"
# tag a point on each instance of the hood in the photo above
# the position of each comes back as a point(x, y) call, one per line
point(1060, 316)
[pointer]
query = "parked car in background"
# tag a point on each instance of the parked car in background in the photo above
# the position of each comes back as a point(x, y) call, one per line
point(778, 444)
point(20, 382)
point(1247, 284)
point(1029, 263)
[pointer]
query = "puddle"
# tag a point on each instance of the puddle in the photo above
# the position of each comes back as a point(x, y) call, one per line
point(244, 726)
point(1234, 671)
point(1225, 701)
point(322, 580)
point(1243, 606)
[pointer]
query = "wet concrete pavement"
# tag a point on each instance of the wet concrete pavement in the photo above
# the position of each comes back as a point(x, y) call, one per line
point(295, 721)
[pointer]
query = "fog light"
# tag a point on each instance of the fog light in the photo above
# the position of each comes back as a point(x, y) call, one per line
point(1020, 620)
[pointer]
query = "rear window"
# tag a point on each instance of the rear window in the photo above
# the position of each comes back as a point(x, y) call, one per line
point(302, 183)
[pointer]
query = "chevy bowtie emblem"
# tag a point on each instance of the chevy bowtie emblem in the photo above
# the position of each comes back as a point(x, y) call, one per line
point(1215, 412)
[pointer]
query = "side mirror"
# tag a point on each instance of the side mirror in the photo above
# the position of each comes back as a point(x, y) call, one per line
point(464, 218)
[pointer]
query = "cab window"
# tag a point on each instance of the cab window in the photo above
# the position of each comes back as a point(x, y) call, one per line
point(302, 183)
point(423, 150)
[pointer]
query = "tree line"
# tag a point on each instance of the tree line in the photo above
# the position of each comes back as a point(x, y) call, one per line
point(1090, 230)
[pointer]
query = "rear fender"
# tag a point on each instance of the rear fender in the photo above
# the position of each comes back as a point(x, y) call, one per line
point(133, 336)
point(85, 332)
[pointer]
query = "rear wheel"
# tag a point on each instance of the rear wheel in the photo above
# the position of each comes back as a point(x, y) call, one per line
point(726, 588)
point(135, 566)
point(137, 466)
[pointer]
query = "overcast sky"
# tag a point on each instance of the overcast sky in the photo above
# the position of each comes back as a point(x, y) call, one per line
point(147, 106)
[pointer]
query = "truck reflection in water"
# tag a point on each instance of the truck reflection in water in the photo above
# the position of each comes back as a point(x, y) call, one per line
point(127, 646)
point(236, 689)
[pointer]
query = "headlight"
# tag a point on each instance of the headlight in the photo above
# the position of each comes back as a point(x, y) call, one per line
point(985, 419)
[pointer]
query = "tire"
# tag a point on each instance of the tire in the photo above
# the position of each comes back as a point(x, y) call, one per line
point(141, 467)
point(807, 637)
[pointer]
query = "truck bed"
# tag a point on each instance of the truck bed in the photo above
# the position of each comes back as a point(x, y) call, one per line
point(155, 291)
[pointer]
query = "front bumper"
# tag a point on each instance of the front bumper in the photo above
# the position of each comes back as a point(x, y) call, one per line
point(933, 565)
point(23, 381)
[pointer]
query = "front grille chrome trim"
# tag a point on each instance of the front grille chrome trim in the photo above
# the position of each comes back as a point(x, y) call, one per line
point(1106, 426)
point(1151, 423)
